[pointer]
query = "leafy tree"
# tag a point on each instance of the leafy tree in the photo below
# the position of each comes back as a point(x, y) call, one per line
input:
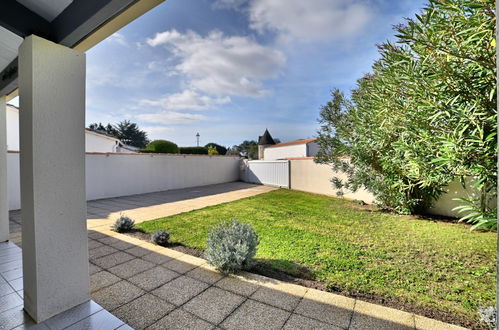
point(221, 150)
point(248, 149)
point(128, 132)
point(161, 147)
point(425, 115)
point(97, 127)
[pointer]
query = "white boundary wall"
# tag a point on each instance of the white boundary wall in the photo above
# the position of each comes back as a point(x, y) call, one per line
point(118, 174)
point(306, 175)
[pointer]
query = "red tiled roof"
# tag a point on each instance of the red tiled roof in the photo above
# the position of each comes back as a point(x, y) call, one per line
point(300, 141)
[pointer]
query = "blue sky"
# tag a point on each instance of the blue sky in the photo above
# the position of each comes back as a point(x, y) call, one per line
point(228, 69)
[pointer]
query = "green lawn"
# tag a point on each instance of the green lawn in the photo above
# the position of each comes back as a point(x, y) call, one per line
point(439, 265)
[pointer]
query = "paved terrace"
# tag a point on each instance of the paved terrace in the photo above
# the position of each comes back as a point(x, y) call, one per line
point(148, 286)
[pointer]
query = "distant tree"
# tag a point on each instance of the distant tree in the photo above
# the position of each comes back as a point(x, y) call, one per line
point(248, 149)
point(233, 151)
point(111, 130)
point(277, 140)
point(193, 150)
point(97, 127)
point(128, 132)
point(220, 149)
point(161, 147)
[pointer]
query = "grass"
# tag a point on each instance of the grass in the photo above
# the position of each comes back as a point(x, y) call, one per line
point(440, 266)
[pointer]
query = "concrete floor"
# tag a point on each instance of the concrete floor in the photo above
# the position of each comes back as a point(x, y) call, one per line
point(148, 286)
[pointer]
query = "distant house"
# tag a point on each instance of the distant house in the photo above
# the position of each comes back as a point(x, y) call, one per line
point(95, 141)
point(264, 141)
point(292, 149)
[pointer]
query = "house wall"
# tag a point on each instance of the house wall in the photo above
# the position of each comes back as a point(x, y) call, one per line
point(294, 150)
point(12, 128)
point(95, 142)
point(113, 175)
point(312, 149)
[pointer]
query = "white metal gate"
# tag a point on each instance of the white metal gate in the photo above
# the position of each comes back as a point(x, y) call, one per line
point(269, 173)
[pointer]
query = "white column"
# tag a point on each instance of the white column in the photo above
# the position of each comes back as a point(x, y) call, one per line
point(53, 207)
point(4, 200)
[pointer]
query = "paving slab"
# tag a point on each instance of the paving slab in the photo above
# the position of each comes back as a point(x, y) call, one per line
point(298, 322)
point(205, 274)
point(93, 268)
point(278, 294)
point(153, 278)
point(179, 266)
point(181, 320)
point(113, 259)
point(138, 251)
point(157, 258)
point(214, 304)
point(101, 251)
point(253, 315)
point(180, 290)
point(326, 307)
point(143, 311)
point(130, 268)
point(102, 279)
point(237, 285)
point(117, 295)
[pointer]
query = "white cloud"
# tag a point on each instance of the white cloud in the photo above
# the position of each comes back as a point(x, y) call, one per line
point(221, 65)
point(171, 117)
point(118, 38)
point(309, 20)
point(187, 100)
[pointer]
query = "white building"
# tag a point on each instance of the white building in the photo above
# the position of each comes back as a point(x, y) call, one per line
point(292, 149)
point(12, 128)
point(95, 141)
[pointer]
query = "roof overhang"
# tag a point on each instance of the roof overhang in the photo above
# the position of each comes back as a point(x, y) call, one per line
point(78, 24)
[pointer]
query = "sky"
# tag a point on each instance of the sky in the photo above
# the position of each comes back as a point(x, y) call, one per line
point(229, 69)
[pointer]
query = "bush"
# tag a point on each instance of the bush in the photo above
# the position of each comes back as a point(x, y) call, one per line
point(220, 149)
point(212, 151)
point(123, 224)
point(231, 246)
point(426, 114)
point(160, 237)
point(193, 150)
point(161, 147)
point(488, 316)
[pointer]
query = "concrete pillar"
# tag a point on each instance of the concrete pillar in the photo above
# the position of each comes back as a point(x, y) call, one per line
point(53, 207)
point(4, 200)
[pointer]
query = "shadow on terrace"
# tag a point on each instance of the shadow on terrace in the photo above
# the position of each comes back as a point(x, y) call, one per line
point(148, 286)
